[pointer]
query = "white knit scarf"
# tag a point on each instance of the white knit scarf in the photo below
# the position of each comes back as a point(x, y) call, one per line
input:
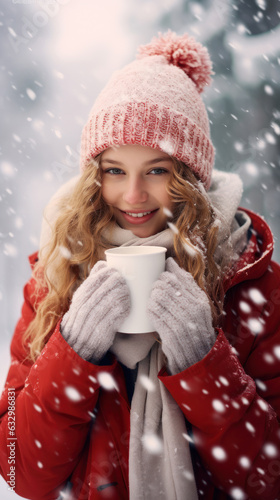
point(159, 466)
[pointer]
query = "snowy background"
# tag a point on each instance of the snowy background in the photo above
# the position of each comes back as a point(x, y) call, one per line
point(56, 57)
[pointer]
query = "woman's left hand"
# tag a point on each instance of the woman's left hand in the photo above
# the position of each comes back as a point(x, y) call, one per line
point(181, 314)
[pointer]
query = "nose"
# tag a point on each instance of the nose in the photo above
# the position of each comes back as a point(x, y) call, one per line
point(135, 191)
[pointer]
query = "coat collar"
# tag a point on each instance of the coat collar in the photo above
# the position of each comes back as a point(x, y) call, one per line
point(255, 260)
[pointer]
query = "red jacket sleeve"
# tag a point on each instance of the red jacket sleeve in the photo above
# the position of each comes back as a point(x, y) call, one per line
point(232, 397)
point(55, 398)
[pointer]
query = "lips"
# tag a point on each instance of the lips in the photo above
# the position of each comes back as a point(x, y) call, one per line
point(138, 217)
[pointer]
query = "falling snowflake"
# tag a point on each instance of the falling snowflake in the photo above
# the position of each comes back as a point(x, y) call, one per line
point(268, 358)
point(10, 250)
point(173, 227)
point(276, 351)
point(72, 393)
point(167, 212)
point(167, 147)
point(218, 405)
point(65, 252)
point(237, 494)
point(252, 169)
point(245, 462)
point(219, 453)
point(184, 385)
point(38, 444)
point(268, 90)
point(270, 450)
point(224, 380)
point(187, 437)
point(255, 326)
point(244, 307)
point(147, 383)
point(250, 427)
point(31, 94)
point(256, 296)
point(8, 169)
point(38, 408)
point(152, 443)
point(188, 475)
point(261, 385)
point(107, 381)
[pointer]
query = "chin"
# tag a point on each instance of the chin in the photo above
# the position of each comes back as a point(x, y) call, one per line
point(143, 233)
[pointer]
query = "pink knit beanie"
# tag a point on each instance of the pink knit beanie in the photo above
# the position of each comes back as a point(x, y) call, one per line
point(155, 101)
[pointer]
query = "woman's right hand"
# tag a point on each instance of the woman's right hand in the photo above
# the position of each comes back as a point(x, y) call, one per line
point(98, 308)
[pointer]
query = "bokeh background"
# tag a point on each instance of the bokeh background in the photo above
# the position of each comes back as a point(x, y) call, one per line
point(56, 55)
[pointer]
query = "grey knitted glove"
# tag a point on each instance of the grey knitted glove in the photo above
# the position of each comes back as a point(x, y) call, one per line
point(98, 308)
point(181, 314)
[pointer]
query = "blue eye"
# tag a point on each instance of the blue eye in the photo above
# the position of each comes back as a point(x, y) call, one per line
point(113, 171)
point(158, 171)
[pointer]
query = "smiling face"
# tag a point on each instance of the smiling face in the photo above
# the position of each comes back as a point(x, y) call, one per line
point(134, 182)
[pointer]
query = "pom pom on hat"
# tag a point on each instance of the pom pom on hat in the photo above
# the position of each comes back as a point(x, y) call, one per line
point(185, 53)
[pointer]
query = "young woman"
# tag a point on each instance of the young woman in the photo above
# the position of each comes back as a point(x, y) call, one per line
point(190, 410)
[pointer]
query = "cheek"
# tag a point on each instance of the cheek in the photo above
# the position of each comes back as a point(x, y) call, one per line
point(106, 192)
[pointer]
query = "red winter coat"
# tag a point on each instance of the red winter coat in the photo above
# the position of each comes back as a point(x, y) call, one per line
point(72, 434)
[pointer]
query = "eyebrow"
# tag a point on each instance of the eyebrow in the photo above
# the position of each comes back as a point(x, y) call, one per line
point(149, 162)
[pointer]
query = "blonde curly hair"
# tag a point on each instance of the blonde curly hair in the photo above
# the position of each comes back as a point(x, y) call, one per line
point(77, 244)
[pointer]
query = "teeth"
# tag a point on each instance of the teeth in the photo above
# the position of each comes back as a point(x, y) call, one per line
point(138, 215)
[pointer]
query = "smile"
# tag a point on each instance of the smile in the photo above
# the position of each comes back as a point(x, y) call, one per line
point(138, 217)
point(141, 214)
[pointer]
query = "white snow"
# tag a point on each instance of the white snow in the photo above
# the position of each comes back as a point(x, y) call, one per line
point(72, 393)
point(276, 351)
point(166, 147)
point(276, 128)
point(188, 475)
point(261, 4)
point(65, 252)
point(270, 450)
point(187, 437)
point(255, 325)
point(252, 169)
point(270, 138)
point(185, 385)
point(152, 443)
point(250, 427)
point(218, 405)
point(31, 94)
point(245, 462)
point(223, 380)
point(237, 494)
point(167, 212)
point(147, 383)
point(268, 358)
point(8, 169)
point(38, 408)
point(107, 381)
point(38, 444)
point(219, 453)
point(173, 227)
point(244, 306)
point(190, 249)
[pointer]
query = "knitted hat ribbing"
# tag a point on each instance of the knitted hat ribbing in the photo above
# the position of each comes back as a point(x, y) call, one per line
point(155, 101)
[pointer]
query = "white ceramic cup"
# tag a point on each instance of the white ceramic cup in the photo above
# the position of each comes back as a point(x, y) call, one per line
point(141, 267)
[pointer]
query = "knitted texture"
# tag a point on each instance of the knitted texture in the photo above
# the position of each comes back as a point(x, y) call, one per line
point(91, 322)
point(180, 312)
point(155, 101)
